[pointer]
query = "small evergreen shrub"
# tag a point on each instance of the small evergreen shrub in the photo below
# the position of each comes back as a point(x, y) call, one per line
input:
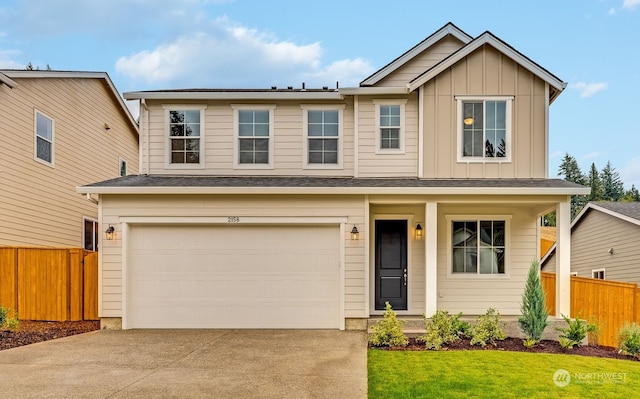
point(629, 340)
point(575, 332)
point(6, 322)
point(443, 328)
point(487, 329)
point(3, 315)
point(388, 331)
point(529, 343)
point(534, 311)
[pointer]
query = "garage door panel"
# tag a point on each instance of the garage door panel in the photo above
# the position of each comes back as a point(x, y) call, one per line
point(234, 277)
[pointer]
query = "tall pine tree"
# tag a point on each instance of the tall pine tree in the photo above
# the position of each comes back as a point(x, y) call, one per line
point(613, 187)
point(597, 188)
point(534, 310)
point(570, 171)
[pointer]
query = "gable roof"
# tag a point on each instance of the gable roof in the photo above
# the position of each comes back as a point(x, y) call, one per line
point(627, 211)
point(448, 29)
point(37, 74)
point(488, 38)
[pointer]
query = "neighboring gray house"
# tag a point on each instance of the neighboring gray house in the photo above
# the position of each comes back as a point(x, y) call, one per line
point(604, 242)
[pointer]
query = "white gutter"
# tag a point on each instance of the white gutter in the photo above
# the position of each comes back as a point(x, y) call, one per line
point(234, 95)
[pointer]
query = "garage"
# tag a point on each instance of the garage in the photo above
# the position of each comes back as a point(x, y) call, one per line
point(233, 276)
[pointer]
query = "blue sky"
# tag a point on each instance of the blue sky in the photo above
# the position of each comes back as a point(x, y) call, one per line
point(593, 45)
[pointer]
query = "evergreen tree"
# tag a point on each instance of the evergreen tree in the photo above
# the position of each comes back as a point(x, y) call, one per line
point(597, 188)
point(570, 170)
point(613, 188)
point(632, 195)
point(534, 310)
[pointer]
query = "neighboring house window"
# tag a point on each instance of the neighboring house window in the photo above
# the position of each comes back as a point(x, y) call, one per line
point(598, 273)
point(44, 130)
point(478, 246)
point(254, 136)
point(185, 124)
point(90, 234)
point(390, 126)
point(123, 167)
point(484, 129)
point(323, 136)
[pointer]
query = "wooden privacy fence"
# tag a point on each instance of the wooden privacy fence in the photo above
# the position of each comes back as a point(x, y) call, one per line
point(609, 304)
point(52, 284)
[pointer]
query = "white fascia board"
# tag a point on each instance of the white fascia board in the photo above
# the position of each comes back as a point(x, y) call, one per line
point(448, 29)
point(233, 95)
point(6, 80)
point(353, 91)
point(517, 191)
point(488, 38)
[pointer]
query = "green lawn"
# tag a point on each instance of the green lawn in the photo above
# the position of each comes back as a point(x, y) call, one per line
point(497, 374)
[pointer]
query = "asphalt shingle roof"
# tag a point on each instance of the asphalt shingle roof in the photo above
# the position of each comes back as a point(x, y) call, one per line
point(628, 209)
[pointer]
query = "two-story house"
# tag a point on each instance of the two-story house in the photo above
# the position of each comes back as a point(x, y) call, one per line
point(59, 130)
point(307, 208)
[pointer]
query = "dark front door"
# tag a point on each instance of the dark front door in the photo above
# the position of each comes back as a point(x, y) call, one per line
point(391, 263)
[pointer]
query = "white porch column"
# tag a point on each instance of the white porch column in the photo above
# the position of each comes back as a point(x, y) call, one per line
point(563, 258)
point(431, 258)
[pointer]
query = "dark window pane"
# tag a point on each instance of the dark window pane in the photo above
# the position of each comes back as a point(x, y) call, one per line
point(315, 157)
point(43, 150)
point(261, 144)
point(177, 144)
point(261, 157)
point(177, 157)
point(315, 145)
point(193, 157)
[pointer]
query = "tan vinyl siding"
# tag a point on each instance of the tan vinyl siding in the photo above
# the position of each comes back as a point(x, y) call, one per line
point(372, 164)
point(40, 205)
point(422, 62)
point(591, 240)
point(274, 206)
point(475, 294)
point(485, 72)
point(288, 140)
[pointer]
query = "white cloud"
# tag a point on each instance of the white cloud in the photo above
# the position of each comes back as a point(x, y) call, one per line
point(228, 55)
point(630, 4)
point(589, 89)
point(7, 59)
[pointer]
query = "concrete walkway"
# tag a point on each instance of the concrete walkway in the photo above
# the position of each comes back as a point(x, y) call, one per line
point(189, 364)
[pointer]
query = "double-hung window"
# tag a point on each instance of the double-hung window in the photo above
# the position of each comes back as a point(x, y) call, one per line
point(44, 134)
point(390, 126)
point(90, 234)
point(185, 136)
point(323, 136)
point(478, 246)
point(484, 129)
point(254, 136)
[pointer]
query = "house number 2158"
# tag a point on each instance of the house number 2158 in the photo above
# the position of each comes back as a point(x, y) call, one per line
point(233, 219)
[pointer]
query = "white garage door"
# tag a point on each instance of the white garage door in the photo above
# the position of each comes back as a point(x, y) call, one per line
point(233, 277)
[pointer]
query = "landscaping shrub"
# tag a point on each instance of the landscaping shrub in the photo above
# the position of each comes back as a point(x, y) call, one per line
point(9, 323)
point(487, 329)
point(575, 332)
point(3, 315)
point(443, 328)
point(388, 331)
point(534, 311)
point(629, 340)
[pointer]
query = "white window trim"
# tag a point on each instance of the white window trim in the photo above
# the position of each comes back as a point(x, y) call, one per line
point(507, 245)
point(305, 137)
point(236, 134)
point(167, 140)
point(126, 166)
point(508, 124)
point(402, 104)
point(35, 139)
point(604, 275)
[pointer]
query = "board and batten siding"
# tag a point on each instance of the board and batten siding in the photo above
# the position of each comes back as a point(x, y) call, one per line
point(115, 207)
point(219, 136)
point(475, 294)
point(485, 72)
point(40, 206)
point(592, 238)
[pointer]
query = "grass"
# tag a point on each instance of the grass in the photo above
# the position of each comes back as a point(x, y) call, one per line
point(491, 374)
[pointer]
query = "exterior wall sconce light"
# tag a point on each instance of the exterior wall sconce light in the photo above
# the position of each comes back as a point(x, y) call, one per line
point(111, 232)
point(419, 232)
point(355, 233)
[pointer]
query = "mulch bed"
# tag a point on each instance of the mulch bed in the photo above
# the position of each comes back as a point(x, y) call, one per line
point(30, 332)
point(515, 345)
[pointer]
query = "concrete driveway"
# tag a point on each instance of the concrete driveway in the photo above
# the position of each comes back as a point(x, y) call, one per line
point(190, 364)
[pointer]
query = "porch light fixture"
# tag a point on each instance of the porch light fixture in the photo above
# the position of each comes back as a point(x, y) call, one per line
point(355, 233)
point(110, 231)
point(468, 121)
point(419, 232)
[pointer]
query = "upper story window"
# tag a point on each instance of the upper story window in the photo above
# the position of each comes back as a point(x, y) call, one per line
point(478, 246)
point(484, 129)
point(123, 167)
point(390, 126)
point(323, 136)
point(44, 132)
point(254, 136)
point(185, 136)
